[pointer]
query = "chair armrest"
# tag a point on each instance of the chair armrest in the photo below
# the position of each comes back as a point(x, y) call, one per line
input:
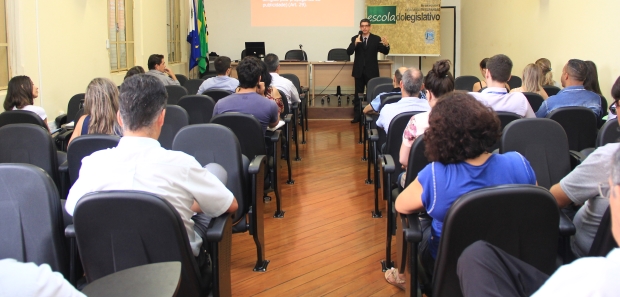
point(413, 232)
point(287, 118)
point(368, 118)
point(275, 137)
point(70, 231)
point(388, 164)
point(64, 167)
point(567, 228)
point(579, 156)
point(255, 164)
point(586, 152)
point(295, 105)
point(373, 135)
point(61, 120)
point(217, 228)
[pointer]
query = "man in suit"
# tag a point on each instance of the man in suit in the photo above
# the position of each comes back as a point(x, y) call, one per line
point(365, 46)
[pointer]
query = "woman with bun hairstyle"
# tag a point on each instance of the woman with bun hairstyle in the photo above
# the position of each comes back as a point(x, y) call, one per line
point(545, 66)
point(437, 82)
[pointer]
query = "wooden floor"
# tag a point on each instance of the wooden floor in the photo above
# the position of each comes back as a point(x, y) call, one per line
point(327, 244)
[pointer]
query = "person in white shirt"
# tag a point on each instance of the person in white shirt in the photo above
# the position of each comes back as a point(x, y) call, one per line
point(140, 163)
point(20, 95)
point(281, 83)
point(29, 279)
point(222, 80)
point(495, 94)
point(486, 270)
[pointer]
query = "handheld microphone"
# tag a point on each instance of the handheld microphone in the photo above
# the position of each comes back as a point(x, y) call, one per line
point(361, 33)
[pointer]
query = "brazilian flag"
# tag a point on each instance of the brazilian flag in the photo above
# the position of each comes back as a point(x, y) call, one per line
point(201, 18)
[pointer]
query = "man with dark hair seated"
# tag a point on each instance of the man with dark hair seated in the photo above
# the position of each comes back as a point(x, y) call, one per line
point(157, 68)
point(247, 100)
point(222, 80)
point(574, 74)
point(496, 96)
point(140, 163)
point(486, 270)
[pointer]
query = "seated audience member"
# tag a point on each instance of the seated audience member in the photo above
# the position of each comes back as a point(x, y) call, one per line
point(458, 148)
point(247, 100)
point(157, 68)
point(573, 94)
point(140, 163)
point(266, 90)
point(375, 104)
point(486, 270)
point(532, 76)
point(279, 82)
point(222, 80)
point(133, 71)
point(591, 83)
point(483, 70)
point(100, 107)
point(581, 186)
point(20, 95)
point(437, 82)
point(30, 279)
point(410, 85)
point(545, 66)
point(496, 95)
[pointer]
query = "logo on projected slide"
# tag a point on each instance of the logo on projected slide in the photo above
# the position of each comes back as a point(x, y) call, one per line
point(381, 14)
point(429, 36)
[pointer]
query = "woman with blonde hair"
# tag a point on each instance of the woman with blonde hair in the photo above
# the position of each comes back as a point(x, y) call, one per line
point(100, 108)
point(532, 77)
point(545, 66)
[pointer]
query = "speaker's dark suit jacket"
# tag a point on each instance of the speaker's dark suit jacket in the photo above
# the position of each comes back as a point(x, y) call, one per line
point(366, 56)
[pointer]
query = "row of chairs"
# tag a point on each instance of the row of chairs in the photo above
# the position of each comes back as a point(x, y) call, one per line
point(467, 82)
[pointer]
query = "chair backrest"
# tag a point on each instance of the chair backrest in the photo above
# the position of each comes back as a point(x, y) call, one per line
point(116, 230)
point(514, 82)
point(83, 146)
point(504, 118)
point(21, 117)
point(31, 217)
point(199, 108)
point(465, 82)
point(248, 130)
point(523, 220)
point(213, 143)
point(296, 55)
point(417, 160)
point(242, 54)
point(30, 144)
point(182, 79)
point(604, 111)
point(372, 83)
point(551, 90)
point(294, 79)
point(75, 103)
point(338, 54)
point(604, 240)
point(534, 99)
point(395, 138)
point(543, 143)
point(580, 125)
point(207, 76)
point(389, 100)
point(382, 88)
point(176, 118)
point(610, 132)
point(175, 93)
point(193, 85)
point(216, 94)
point(287, 108)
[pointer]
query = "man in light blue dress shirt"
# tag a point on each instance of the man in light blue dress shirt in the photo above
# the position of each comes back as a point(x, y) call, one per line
point(222, 80)
point(573, 94)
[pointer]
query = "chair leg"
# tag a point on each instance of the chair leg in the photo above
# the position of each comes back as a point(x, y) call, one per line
point(377, 213)
point(257, 228)
point(368, 180)
point(290, 180)
point(72, 262)
point(297, 158)
point(306, 113)
point(302, 115)
point(411, 271)
point(274, 181)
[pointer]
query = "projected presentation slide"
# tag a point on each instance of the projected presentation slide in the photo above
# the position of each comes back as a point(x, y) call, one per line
point(301, 13)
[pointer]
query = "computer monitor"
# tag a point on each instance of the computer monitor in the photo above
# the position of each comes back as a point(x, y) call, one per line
point(256, 49)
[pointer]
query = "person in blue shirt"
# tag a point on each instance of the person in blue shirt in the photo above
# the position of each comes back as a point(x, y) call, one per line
point(461, 133)
point(222, 80)
point(574, 74)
